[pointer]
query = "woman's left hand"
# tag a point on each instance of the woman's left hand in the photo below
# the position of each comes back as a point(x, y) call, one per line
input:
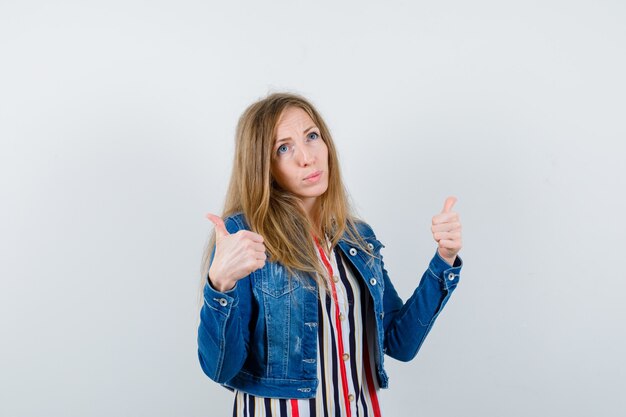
point(446, 230)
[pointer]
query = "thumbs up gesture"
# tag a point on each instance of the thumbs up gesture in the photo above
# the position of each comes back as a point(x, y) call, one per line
point(237, 255)
point(446, 230)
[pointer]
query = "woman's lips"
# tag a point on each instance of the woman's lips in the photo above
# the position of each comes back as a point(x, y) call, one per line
point(314, 176)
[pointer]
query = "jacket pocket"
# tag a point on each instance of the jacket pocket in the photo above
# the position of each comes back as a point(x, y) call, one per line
point(275, 281)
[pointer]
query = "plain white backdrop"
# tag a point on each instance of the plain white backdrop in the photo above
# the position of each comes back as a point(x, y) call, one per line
point(117, 122)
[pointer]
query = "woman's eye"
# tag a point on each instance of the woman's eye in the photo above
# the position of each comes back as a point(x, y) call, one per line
point(282, 149)
point(313, 135)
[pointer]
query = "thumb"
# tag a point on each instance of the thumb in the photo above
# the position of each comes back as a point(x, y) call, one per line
point(447, 206)
point(220, 228)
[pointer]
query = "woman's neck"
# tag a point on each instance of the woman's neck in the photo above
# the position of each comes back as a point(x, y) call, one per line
point(311, 209)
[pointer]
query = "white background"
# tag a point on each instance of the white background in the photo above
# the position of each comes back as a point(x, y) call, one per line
point(116, 125)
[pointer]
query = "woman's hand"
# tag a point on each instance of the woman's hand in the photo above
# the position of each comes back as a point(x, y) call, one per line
point(446, 230)
point(236, 255)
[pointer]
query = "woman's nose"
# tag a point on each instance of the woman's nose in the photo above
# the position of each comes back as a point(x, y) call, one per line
point(305, 156)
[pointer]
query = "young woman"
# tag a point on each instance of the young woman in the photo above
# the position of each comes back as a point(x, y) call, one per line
point(298, 309)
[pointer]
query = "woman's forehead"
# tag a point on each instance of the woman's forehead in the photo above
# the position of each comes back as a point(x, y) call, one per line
point(293, 119)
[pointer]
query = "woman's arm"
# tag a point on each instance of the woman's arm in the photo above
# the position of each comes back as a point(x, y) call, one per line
point(407, 325)
point(223, 334)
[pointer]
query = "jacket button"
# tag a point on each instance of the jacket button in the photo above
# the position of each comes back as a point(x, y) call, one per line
point(345, 357)
point(451, 276)
point(223, 302)
point(370, 246)
point(336, 278)
point(373, 281)
point(351, 397)
point(342, 317)
point(352, 251)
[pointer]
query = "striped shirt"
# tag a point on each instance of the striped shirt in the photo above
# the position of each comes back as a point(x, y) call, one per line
point(348, 386)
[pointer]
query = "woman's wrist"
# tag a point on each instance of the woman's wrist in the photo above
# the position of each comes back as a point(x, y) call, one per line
point(220, 285)
point(447, 259)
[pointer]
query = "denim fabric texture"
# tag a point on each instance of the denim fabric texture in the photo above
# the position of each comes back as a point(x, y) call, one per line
point(261, 336)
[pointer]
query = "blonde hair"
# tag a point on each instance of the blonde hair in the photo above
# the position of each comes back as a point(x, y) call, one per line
point(275, 213)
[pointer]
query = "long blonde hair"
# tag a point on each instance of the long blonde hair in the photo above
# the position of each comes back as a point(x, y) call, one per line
point(273, 212)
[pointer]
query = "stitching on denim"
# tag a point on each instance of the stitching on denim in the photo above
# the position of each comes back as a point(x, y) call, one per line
point(237, 221)
point(259, 378)
point(413, 302)
point(268, 370)
point(263, 286)
point(212, 307)
point(433, 273)
point(220, 357)
point(442, 280)
point(443, 302)
point(286, 335)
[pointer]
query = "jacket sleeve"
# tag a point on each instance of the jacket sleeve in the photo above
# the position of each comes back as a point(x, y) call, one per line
point(406, 325)
point(223, 333)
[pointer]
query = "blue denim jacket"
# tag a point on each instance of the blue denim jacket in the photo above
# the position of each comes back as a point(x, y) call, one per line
point(260, 336)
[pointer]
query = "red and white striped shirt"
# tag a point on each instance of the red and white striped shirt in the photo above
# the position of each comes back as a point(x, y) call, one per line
point(348, 386)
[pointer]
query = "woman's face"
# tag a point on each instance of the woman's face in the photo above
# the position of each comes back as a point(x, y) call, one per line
point(300, 157)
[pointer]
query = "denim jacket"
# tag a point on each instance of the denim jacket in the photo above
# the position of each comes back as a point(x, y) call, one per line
point(259, 337)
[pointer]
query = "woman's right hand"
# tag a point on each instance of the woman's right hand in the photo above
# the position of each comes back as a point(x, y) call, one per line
point(236, 256)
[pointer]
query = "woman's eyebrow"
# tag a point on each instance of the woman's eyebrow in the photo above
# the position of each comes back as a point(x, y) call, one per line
point(305, 130)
